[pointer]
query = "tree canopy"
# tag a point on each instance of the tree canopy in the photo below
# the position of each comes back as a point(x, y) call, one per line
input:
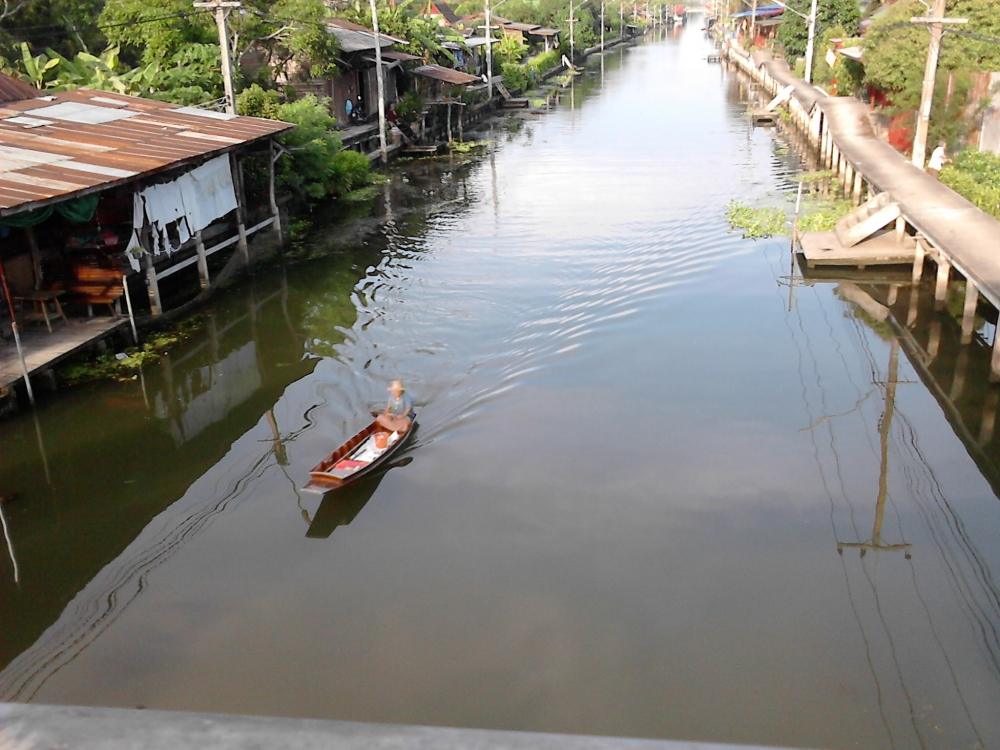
point(794, 32)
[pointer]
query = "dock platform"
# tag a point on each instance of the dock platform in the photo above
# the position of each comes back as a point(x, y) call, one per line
point(43, 349)
point(825, 249)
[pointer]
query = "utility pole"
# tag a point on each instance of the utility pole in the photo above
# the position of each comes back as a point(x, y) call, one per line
point(381, 87)
point(753, 26)
point(220, 9)
point(489, 55)
point(936, 21)
point(621, 20)
point(572, 46)
point(810, 42)
point(602, 25)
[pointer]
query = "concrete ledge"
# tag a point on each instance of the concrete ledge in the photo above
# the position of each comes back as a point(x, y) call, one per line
point(34, 727)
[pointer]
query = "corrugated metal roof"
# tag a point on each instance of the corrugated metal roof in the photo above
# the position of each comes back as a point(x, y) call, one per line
point(398, 56)
point(352, 37)
point(13, 89)
point(518, 26)
point(447, 75)
point(69, 143)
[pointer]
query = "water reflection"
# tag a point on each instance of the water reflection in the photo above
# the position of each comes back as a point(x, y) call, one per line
point(637, 460)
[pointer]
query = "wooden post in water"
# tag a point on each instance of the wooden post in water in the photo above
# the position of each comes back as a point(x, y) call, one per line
point(241, 226)
point(272, 158)
point(152, 286)
point(199, 246)
point(989, 418)
point(969, 311)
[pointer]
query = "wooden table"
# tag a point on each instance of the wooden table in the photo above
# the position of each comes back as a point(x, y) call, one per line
point(40, 302)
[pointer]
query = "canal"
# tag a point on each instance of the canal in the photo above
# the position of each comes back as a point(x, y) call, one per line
point(646, 467)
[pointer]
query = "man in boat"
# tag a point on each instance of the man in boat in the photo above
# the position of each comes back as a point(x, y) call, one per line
point(398, 414)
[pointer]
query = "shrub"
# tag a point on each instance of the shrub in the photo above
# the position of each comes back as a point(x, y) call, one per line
point(976, 176)
point(515, 77)
point(351, 170)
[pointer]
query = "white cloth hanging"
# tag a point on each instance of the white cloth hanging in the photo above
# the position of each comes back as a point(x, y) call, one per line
point(188, 204)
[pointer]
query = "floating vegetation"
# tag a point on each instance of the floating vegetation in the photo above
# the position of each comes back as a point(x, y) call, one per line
point(818, 175)
point(125, 365)
point(465, 147)
point(756, 223)
point(822, 216)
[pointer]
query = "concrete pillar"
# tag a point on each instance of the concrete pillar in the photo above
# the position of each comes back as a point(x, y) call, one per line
point(969, 311)
point(918, 260)
point(856, 191)
point(941, 285)
point(893, 295)
point(848, 177)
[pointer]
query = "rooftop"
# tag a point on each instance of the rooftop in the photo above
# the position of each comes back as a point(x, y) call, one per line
point(353, 37)
point(65, 144)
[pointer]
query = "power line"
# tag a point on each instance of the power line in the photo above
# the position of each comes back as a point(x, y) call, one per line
point(102, 27)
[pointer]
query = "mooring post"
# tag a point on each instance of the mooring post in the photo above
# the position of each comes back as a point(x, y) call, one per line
point(943, 276)
point(969, 311)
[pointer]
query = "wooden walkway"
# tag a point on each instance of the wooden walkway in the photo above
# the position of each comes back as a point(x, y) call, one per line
point(43, 349)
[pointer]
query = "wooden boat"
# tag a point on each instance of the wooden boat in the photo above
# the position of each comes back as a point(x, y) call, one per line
point(356, 458)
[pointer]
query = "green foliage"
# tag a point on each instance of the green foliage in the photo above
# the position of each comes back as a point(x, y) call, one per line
point(409, 107)
point(127, 25)
point(976, 176)
point(896, 50)
point(755, 223)
point(304, 36)
point(509, 49)
point(256, 101)
point(189, 76)
point(542, 63)
point(316, 168)
point(66, 26)
point(515, 77)
point(793, 32)
point(845, 76)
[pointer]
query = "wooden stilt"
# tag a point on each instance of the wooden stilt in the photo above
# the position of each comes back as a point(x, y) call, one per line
point(969, 311)
point(152, 287)
point(941, 285)
point(199, 246)
point(241, 226)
